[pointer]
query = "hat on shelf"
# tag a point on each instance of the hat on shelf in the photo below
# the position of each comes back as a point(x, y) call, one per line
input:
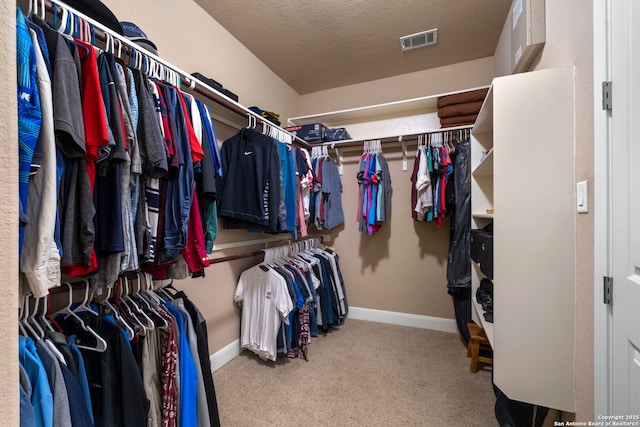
point(97, 10)
point(135, 34)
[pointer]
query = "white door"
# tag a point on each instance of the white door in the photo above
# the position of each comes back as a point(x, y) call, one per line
point(625, 206)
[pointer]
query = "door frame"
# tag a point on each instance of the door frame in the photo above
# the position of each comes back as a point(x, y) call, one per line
point(602, 313)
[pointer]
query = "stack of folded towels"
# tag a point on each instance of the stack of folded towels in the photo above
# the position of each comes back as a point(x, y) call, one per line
point(460, 109)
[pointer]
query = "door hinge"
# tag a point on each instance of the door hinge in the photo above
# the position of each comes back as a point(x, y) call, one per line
point(608, 290)
point(607, 103)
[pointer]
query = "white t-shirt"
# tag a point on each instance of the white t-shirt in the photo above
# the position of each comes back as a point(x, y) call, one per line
point(265, 302)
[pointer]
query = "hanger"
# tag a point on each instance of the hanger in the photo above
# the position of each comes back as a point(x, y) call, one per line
point(163, 291)
point(253, 121)
point(149, 290)
point(122, 302)
point(142, 296)
point(83, 306)
point(148, 323)
point(25, 327)
point(101, 344)
point(116, 314)
point(42, 318)
point(33, 321)
point(37, 8)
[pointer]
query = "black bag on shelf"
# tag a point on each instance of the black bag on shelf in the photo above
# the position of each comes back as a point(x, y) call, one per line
point(215, 85)
point(484, 294)
point(482, 249)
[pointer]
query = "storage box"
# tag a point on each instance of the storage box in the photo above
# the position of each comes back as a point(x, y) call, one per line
point(314, 132)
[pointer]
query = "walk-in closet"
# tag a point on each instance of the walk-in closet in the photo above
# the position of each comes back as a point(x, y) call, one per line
point(224, 213)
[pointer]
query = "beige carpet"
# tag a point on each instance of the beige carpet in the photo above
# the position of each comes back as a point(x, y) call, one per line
point(364, 374)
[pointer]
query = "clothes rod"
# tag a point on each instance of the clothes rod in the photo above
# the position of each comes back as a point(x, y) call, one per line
point(235, 257)
point(103, 33)
point(389, 139)
point(245, 243)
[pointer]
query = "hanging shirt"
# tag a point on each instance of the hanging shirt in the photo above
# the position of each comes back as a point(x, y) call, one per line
point(40, 260)
point(249, 190)
point(265, 303)
point(41, 396)
point(169, 347)
point(188, 396)
point(424, 199)
point(29, 112)
point(332, 195)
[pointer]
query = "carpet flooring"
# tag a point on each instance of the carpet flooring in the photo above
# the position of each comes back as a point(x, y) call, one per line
point(363, 374)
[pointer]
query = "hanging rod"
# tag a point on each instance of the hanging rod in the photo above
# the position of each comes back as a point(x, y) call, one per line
point(193, 83)
point(322, 237)
point(389, 139)
point(245, 243)
point(235, 257)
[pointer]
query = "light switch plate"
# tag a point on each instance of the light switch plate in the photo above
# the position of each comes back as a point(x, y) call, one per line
point(582, 197)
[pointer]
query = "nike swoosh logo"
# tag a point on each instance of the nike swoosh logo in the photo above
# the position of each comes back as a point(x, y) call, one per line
point(246, 153)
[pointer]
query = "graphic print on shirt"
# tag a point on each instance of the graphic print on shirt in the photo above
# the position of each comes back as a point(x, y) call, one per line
point(265, 202)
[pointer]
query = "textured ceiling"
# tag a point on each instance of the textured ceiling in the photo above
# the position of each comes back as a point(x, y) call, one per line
point(321, 44)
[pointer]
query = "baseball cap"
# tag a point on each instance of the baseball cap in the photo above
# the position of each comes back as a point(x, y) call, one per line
point(97, 10)
point(135, 34)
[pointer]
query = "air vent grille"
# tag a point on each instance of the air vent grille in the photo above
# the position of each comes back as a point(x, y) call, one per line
point(413, 41)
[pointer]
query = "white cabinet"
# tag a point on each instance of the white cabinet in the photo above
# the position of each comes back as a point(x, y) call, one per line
point(523, 148)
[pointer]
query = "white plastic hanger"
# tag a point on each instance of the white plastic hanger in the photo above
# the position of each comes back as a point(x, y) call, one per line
point(142, 329)
point(32, 319)
point(101, 344)
point(83, 306)
point(116, 314)
point(37, 8)
point(26, 327)
point(148, 323)
point(43, 319)
point(143, 295)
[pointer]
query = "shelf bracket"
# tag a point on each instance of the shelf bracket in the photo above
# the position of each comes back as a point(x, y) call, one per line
point(404, 153)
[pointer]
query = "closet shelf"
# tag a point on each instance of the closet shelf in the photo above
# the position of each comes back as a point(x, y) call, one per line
point(484, 122)
point(189, 81)
point(423, 104)
point(485, 167)
point(487, 326)
point(482, 215)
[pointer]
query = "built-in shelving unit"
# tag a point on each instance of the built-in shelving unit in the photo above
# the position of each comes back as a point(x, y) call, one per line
point(522, 154)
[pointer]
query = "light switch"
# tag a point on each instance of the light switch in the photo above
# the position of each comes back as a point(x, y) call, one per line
point(582, 197)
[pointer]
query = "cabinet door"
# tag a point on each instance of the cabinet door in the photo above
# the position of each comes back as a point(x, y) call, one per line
point(534, 237)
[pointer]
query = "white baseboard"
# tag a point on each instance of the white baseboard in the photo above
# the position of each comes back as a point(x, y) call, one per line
point(225, 355)
point(404, 319)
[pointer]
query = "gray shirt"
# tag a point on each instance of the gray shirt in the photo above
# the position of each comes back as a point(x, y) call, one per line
point(61, 411)
point(332, 189)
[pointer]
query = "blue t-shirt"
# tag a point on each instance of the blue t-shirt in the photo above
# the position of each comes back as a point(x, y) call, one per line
point(29, 111)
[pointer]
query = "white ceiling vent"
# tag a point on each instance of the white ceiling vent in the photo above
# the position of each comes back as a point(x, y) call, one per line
point(413, 41)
